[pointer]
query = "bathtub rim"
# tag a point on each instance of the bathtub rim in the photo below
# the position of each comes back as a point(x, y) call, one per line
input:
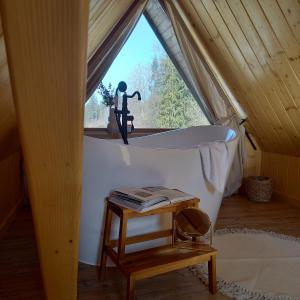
point(120, 141)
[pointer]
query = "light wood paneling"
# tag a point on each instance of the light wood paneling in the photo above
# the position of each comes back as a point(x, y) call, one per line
point(46, 45)
point(103, 16)
point(255, 45)
point(285, 172)
point(252, 163)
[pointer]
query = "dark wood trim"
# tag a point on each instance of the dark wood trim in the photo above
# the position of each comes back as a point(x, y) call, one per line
point(102, 133)
point(151, 130)
point(4, 225)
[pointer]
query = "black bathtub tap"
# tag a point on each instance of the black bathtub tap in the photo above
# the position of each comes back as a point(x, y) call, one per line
point(124, 113)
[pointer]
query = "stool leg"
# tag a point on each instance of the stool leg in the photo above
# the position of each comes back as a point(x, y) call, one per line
point(174, 233)
point(122, 237)
point(212, 275)
point(130, 288)
point(105, 241)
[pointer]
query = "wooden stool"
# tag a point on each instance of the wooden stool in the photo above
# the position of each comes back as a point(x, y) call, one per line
point(154, 261)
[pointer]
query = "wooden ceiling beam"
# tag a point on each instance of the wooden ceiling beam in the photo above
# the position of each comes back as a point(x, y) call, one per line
point(46, 45)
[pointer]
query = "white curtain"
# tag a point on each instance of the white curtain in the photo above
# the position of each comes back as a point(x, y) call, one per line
point(219, 99)
point(113, 24)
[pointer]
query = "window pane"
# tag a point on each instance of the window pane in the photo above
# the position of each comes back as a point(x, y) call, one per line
point(146, 67)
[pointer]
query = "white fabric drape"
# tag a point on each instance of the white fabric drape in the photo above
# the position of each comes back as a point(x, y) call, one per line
point(109, 35)
point(209, 82)
point(205, 76)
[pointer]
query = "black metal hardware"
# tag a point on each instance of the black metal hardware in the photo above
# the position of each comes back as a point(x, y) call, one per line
point(124, 113)
point(248, 136)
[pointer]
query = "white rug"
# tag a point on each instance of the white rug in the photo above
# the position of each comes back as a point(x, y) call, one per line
point(254, 264)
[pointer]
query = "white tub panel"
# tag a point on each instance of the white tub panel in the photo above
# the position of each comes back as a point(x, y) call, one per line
point(109, 165)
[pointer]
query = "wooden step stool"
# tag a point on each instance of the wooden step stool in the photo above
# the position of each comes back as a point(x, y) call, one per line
point(154, 261)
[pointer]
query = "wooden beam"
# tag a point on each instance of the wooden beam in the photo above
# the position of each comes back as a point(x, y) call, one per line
point(46, 46)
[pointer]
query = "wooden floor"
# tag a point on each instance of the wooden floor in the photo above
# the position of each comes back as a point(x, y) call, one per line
point(20, 275)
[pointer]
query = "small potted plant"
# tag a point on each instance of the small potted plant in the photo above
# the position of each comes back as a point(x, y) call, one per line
point(107, 94)
point(108, 97)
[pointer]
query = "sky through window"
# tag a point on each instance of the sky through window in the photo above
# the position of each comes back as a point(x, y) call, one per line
point(145, 66)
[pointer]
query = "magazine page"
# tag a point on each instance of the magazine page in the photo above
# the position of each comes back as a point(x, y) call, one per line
point(172, 194)
point(141, 194)
point(138, 208)
point(147, 197)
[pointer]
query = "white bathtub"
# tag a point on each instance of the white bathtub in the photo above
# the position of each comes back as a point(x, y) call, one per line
point(172, 159)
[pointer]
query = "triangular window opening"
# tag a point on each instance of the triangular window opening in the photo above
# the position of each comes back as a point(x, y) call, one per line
point(145, 66)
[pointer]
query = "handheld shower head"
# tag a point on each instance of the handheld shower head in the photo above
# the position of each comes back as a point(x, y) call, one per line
point(122, 86)
point(136, 93)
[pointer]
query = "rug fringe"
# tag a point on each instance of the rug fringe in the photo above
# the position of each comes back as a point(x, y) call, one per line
point(232, 289)
point(256, 231)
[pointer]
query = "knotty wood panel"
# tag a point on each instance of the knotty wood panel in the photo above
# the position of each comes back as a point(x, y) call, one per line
point(252, 164)
point(285, 172)
point(46, 45)
point(102, 16)
point(255, 45)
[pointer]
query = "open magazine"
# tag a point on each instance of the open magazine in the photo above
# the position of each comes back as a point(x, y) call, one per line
point(147, 198)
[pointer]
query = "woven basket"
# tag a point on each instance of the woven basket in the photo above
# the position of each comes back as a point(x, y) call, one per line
point(259, 188)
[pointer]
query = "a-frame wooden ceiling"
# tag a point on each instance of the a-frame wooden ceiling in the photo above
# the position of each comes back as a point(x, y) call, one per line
point(255, 44)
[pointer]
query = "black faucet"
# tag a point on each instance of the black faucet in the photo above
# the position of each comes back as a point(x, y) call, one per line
point(122, 87)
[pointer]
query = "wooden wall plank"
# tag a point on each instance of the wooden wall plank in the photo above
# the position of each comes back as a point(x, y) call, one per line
point(266, 112)
point(249, 31)
point(263, 27)
point(280, 27)
point(48, 79)
point(226, 62)
point(254, 45)
point(285, 71)
point(102, 16)
point(285, 173)
point(257, 72)
point(291, 11)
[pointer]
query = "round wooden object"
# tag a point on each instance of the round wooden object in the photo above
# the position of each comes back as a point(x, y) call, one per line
point(192, 222)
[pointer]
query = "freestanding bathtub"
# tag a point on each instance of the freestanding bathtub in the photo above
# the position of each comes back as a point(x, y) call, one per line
point(196, 160)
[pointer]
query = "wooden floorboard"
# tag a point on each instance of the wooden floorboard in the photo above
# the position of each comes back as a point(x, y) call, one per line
point(278, 216)
point(20, 277)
